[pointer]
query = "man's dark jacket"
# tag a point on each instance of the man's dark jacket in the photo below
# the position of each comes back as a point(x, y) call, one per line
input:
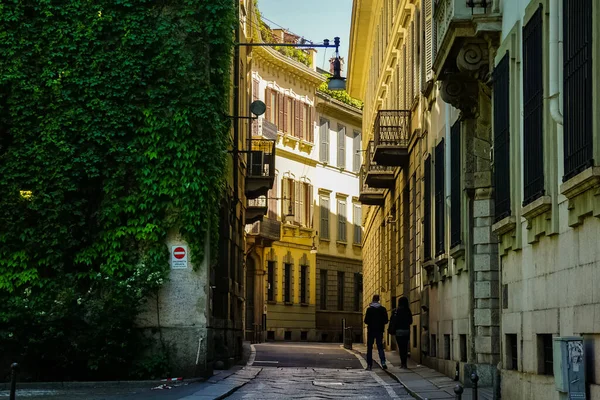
point(376, 317)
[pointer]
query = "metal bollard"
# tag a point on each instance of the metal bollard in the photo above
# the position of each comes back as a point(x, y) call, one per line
point(458, 390)
point(475, 379)
point(13, 380)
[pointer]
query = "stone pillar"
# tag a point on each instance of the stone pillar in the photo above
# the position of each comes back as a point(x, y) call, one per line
point(467, 90)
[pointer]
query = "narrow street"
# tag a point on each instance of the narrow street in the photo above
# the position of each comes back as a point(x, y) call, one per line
point(315, 371)
point(274, 371)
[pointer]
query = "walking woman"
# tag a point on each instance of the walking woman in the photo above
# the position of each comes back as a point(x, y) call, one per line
point(400, 327)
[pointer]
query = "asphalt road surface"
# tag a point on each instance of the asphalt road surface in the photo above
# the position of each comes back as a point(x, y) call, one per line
point(299, 355)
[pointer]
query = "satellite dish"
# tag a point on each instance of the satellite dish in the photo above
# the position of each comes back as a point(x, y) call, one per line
point(258, 107)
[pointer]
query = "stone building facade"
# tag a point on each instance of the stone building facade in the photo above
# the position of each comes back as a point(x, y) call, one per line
point(547, 221)
point(422, 69)
point(312, 208)
point(503, 140)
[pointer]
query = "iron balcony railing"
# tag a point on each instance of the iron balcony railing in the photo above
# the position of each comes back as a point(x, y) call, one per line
point(371, 165)
point(261, 161)
point(392, 128)
point(364, 188)
point(267, 228)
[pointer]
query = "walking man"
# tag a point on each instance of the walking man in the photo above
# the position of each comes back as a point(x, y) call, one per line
point(376, 318)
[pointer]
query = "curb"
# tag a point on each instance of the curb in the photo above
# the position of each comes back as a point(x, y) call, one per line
point(236, 388)
point(93, 384)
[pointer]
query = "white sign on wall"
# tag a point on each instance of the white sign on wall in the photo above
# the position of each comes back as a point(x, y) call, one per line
point(179, 257)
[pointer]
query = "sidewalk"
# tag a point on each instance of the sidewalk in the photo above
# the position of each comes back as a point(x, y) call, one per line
point(420, 381)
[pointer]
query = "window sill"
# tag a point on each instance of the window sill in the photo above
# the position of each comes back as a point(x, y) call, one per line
point(288, 303)
point(583, 192)
point(505, 225)
point(585, 180)
point(537, 207)
point(271, 302)
point(457, 251)
point(304, 304)
point(322, 239)
point(359, 245)
point(341, 243)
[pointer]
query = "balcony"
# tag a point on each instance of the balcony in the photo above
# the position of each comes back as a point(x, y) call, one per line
point(457, 19)
point(378, 176)
point(261, 168)
point(369, 196)
point(256, 210)
point(266, 231)
point(391, 132)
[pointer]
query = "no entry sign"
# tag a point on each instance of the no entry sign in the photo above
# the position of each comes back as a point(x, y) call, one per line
point(179, 257)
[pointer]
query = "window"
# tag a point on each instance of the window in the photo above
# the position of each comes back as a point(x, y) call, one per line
point(577, 56)
point(356, 153)
point(341, 211)
point(323, 289)
point(307, 205)
point(463, 347)
point(304, 284)
point(341, 142)
point(357, 290)
point(288, 283)
point(533, 105)
point(307, 125)
point(271, 102)
point(270, 335)
point(280, 109)
point(287, 335)
point(271, 280)
point(324, 205)
point(427, 210)
point(545, 354)
point(455, 189)
point(357, 224)
point(340, 284)
point(303, 335)
point(447, 347)
point(433, 346)
point(440, 221)
point(512, 352)
point(288, 113)
point(502, 138)
point(288, 194)
point(324, 140)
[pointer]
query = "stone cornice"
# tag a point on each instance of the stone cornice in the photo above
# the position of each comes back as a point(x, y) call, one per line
point(293, 67)
point(328, 105)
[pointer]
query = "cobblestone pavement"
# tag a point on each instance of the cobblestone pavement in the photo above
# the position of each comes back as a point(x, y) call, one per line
point(321, 383)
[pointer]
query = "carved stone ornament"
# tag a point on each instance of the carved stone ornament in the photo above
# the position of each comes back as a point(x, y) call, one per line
point(473, 59)
point(461, 90)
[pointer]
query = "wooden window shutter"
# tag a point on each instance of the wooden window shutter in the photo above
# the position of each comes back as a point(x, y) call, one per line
point(297, 132)
point(298, 202)
point(268, 104)
point(272, 201)
point(309, 205)
point(302, 127)
point(285, 195)
point(324, 141)
point(285, 114)
point(280, 106)
point(341, 144)
point(430, 36)
point(310, 126)
point(254, 90)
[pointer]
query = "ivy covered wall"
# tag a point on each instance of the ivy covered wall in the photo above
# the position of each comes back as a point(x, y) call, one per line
point(113, 130)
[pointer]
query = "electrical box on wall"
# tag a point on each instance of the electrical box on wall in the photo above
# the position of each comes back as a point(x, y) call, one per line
point(569, 366)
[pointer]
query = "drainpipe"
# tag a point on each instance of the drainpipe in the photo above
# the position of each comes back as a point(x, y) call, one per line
point(555, 46)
